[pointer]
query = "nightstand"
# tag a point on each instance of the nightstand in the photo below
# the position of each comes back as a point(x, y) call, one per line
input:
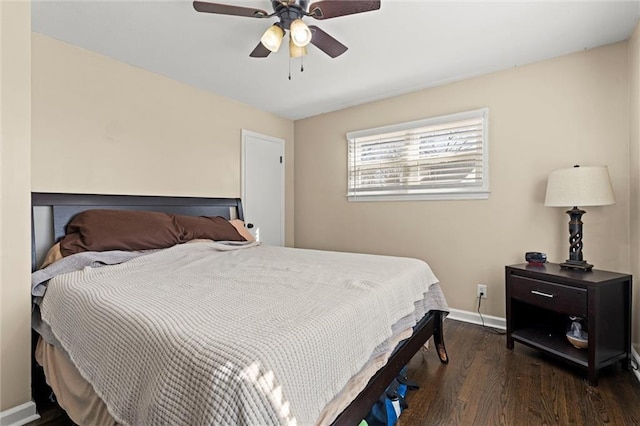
point(541, 298)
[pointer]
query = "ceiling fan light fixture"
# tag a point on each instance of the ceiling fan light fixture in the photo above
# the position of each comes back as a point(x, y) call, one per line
point(272, 38)
point(296, 51)
point(300, 33)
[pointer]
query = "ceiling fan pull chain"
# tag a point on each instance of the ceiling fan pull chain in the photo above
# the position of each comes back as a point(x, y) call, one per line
point(289, 67)
point(301, 63)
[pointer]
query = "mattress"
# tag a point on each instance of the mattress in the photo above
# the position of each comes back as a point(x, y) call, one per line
point(260, 335)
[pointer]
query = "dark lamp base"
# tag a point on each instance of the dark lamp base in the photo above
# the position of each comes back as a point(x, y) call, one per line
point(581, 265)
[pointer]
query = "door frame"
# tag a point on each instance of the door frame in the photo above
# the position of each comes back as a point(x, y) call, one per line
point(281, 142)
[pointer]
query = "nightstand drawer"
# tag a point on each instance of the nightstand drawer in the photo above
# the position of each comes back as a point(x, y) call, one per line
point(555, 297)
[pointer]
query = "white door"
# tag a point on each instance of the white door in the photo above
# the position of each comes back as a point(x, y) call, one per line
point(263, 186)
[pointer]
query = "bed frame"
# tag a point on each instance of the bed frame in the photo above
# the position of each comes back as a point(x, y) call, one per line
point(64, 206)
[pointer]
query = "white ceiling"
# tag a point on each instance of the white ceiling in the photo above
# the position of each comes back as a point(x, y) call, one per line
point(404, 46)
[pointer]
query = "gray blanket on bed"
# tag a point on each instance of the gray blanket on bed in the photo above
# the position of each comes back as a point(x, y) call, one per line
point(193, 335)
point(75, 262)
point(95, 259)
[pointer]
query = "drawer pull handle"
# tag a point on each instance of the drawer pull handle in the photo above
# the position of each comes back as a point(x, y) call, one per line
point(539, 293)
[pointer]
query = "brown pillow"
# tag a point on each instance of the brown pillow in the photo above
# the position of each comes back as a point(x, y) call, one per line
point(215, 228)
point(102, 230)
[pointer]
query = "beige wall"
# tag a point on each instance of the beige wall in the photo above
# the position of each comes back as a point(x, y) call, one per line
point(15, 228)
point(634, 138)
point(549, 115)
point(101, 126)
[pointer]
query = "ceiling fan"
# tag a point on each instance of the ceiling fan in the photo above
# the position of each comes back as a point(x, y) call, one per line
point(290, 13)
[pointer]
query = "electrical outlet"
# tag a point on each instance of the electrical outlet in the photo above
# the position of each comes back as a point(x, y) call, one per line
point(482, 291)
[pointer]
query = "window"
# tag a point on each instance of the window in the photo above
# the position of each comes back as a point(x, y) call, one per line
point(437, 158)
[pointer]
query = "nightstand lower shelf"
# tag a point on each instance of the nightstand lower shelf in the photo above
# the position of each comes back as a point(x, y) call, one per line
point(550, 341)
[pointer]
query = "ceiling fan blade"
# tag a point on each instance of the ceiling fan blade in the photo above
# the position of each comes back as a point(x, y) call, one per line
point(260, 51)
point(227, 9)
point(325, 9)
point(326, 43)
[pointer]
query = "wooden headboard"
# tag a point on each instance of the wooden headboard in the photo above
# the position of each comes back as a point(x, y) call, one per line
point(57, 209)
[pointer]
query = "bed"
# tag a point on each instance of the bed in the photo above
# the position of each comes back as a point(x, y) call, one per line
point(106, 326)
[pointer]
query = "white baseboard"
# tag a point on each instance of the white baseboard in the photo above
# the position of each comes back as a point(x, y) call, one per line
point(636, 357)
point(474, 318)
point(20, 415)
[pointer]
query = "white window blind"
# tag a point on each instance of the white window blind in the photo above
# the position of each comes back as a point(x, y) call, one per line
point(437, 158)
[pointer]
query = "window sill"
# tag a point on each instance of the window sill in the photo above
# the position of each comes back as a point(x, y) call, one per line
point(480, 195)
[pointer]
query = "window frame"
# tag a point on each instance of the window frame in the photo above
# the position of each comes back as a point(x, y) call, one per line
point(453, 193)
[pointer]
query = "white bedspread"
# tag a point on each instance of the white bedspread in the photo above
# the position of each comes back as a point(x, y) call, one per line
point(263, 335)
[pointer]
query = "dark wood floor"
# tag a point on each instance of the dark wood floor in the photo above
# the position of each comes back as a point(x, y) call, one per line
point(487, 384)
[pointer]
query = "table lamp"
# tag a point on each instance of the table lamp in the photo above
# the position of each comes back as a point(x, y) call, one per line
point(578, 186)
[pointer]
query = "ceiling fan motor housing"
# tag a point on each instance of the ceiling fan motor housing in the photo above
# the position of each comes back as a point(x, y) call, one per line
point(289, 11)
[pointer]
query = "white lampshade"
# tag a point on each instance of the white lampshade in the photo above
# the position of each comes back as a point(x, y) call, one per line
point(300, 33)
point(272, 38)
point(295, 51)
point(579, 186)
